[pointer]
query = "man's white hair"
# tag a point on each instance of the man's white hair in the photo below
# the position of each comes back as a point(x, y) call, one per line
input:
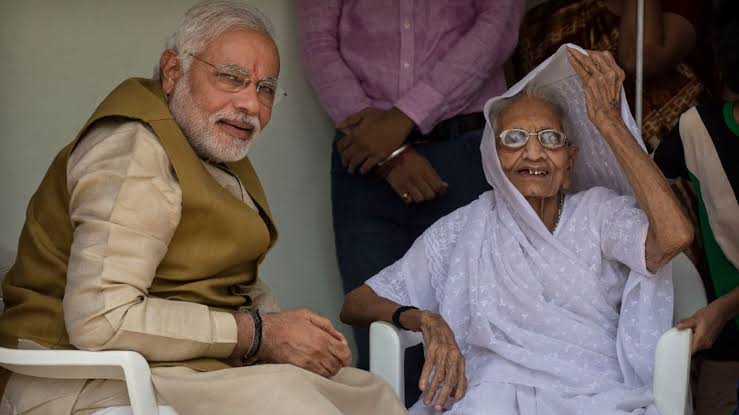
point(207, 20)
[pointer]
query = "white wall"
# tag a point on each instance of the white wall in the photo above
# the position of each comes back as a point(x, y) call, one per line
point(58, 59)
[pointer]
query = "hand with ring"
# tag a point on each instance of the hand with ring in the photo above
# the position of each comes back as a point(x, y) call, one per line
point(413, 178)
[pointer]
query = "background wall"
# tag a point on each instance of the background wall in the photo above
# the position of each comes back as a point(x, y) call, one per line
point(58, 59)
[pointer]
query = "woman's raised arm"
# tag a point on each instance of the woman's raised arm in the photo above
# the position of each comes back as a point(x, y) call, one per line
point(670, 231)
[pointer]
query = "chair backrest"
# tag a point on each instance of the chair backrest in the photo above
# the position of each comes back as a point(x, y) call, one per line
point(690, 295)
point(7, 258)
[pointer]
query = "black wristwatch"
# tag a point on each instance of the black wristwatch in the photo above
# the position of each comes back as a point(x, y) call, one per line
point(396, 315)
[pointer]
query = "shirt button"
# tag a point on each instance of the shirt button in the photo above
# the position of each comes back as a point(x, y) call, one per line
point(407, 24)
point(406, 65)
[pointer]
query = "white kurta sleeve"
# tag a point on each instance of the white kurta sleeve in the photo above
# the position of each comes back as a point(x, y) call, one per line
point(646, 303)
point(391, 283)
point(623, 230)
point(125, 204)
point(419, 277)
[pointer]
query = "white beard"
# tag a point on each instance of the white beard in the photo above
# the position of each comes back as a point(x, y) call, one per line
point(201, 130)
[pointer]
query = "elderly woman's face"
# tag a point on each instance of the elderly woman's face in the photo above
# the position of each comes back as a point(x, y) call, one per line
point(536, 171)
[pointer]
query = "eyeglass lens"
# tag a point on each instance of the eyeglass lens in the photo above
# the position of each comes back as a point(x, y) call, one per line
point(518, 138)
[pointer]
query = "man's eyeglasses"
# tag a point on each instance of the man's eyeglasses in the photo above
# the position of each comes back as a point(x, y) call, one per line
point(517, 138)
point(232, 78)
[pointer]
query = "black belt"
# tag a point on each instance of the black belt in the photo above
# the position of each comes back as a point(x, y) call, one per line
point(449, 128)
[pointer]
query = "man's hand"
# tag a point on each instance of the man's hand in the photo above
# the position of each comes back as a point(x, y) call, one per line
point(444, 363)
point(303, 338)
point(707, 324)
point(371, 135)
point(413, 178)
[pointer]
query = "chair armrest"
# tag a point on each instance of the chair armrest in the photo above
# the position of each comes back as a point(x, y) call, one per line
point(690, 294)
point(672, 371)
point(77, 364)
point(387, 353)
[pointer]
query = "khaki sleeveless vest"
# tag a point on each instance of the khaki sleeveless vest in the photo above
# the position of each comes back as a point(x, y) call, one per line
point(211, 260)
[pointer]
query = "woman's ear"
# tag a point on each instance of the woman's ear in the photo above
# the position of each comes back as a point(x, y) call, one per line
point(572, 152)
point(170, 70)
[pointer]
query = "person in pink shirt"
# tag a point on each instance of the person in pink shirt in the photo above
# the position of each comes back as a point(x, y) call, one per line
point(405, 83)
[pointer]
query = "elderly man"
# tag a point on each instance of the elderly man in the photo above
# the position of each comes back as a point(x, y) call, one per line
point(147, 232)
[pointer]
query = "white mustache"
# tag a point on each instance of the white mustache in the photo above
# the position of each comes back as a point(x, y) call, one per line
point(250, 120)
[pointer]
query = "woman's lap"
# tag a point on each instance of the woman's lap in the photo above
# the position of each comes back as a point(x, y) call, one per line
point(498, 398)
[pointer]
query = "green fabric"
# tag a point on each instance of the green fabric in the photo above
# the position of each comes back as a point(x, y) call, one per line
point(729, 118)
point(724, 274)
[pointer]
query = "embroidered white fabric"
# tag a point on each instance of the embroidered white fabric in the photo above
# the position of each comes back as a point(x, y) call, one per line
point(549, 323)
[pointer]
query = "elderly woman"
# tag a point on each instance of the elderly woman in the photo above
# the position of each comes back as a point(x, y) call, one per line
point(546, 295)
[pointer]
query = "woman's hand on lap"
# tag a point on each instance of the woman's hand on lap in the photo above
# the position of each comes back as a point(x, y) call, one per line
point(443, 374)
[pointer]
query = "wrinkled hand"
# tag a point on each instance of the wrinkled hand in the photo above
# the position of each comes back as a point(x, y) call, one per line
point(371, 135)
point(303, 338)
point(602, 79)
point(444, 363)
point(707, 324)
point(413, 178)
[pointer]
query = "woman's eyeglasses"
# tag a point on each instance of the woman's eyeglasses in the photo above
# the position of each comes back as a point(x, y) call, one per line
point(517, 138)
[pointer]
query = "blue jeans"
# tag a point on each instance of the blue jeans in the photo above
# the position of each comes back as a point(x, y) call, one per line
point(374, 228)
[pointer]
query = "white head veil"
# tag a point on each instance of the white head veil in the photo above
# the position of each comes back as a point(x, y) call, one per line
point(556, 80)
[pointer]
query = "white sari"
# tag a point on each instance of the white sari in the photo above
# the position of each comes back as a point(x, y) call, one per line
point(549, 323)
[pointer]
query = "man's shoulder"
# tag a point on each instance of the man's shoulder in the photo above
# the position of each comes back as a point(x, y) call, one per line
point(117, 142)
point(118, 126)
point(114, 132)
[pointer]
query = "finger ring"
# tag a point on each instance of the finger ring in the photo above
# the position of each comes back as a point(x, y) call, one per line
point(405, 195)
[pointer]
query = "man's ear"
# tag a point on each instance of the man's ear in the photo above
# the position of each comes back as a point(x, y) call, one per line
point(170, 70)
point(572, 152)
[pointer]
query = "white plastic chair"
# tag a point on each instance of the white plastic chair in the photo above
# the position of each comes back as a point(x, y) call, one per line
point(672, 359)
point(128, 366)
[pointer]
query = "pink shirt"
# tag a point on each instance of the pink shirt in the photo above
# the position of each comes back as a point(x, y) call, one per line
point(431, 59)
